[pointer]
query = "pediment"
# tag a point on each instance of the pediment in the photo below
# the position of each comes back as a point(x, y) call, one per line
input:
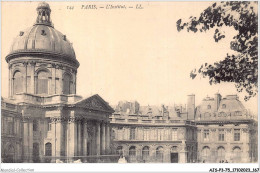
point(95, 102)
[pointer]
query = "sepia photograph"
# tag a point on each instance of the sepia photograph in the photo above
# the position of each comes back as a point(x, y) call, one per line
point(129, 82)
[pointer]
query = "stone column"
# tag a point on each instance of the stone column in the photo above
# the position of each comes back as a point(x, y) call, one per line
point(32, 70)
point(53, 78)
point(183, 154)
point(72, 138)
point(25, 141)
point(25, 77)
point(10, 77)
point(58, 135)
point(98, 138)
point(30, 140)
point(108, 139)
point(85, 137)
point(79, 139)
point(94, 140)
point(61, 80)
point(103, 137)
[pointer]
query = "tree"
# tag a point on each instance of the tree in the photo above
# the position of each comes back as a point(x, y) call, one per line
point(242, 66)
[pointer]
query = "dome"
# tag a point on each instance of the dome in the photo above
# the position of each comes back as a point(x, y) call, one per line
point(43, 39)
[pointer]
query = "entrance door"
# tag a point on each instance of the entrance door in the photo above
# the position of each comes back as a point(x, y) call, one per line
point(36, 158)
point(174, 158)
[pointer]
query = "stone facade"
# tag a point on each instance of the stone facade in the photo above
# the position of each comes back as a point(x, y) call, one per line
point(226, 131)
point(217, 130)
point(154, 135)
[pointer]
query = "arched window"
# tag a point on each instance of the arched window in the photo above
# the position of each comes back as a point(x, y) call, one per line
point(221, 154)
point(17, 82)
point(205, 154)
point(145, 153)
point(224, 106)
point(9, 154)
point(42, 83)
point(67, 84)
point(159, 154)
point(132, 154)
point(236, 155)
point(209, 106)
point(48, 152)
point(119, 150)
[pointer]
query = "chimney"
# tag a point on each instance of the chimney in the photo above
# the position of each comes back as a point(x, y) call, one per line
point(191, 107)
point(217, 101)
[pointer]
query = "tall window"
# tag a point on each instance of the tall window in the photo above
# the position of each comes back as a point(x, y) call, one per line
point(221, 135)
point(221, 154)
point(145, 153)
point(18, 82)
point(174, 134)
point(67, 83)
point(146, 134)
point(49, 125)
point(236, 134)
point(236, 155)
point(35, 125)
point(10, 124)
point(160, 134)
point(205, 154)
point(42, 83)
point(132, 133)
point(206, 135)
point(132, 153)
point(159, 154)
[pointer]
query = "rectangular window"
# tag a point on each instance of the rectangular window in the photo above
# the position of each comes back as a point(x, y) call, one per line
point(146, 134)
point(236, 134)
point(49, 125)
point(160, 134)
point(174, 134)
point(132, 134)
point(206, 135)
point(221, 135)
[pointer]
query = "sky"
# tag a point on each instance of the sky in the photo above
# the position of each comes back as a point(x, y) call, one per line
point(130, 54)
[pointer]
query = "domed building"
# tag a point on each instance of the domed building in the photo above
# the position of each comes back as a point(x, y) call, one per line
point(43, 119)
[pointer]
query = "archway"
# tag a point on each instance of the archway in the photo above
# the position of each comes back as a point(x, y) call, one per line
point(132, 154)
point(159, 154)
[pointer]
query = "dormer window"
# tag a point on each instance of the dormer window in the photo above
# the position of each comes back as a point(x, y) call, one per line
point(209, 106)
point(21, 33)
point(224, 106)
